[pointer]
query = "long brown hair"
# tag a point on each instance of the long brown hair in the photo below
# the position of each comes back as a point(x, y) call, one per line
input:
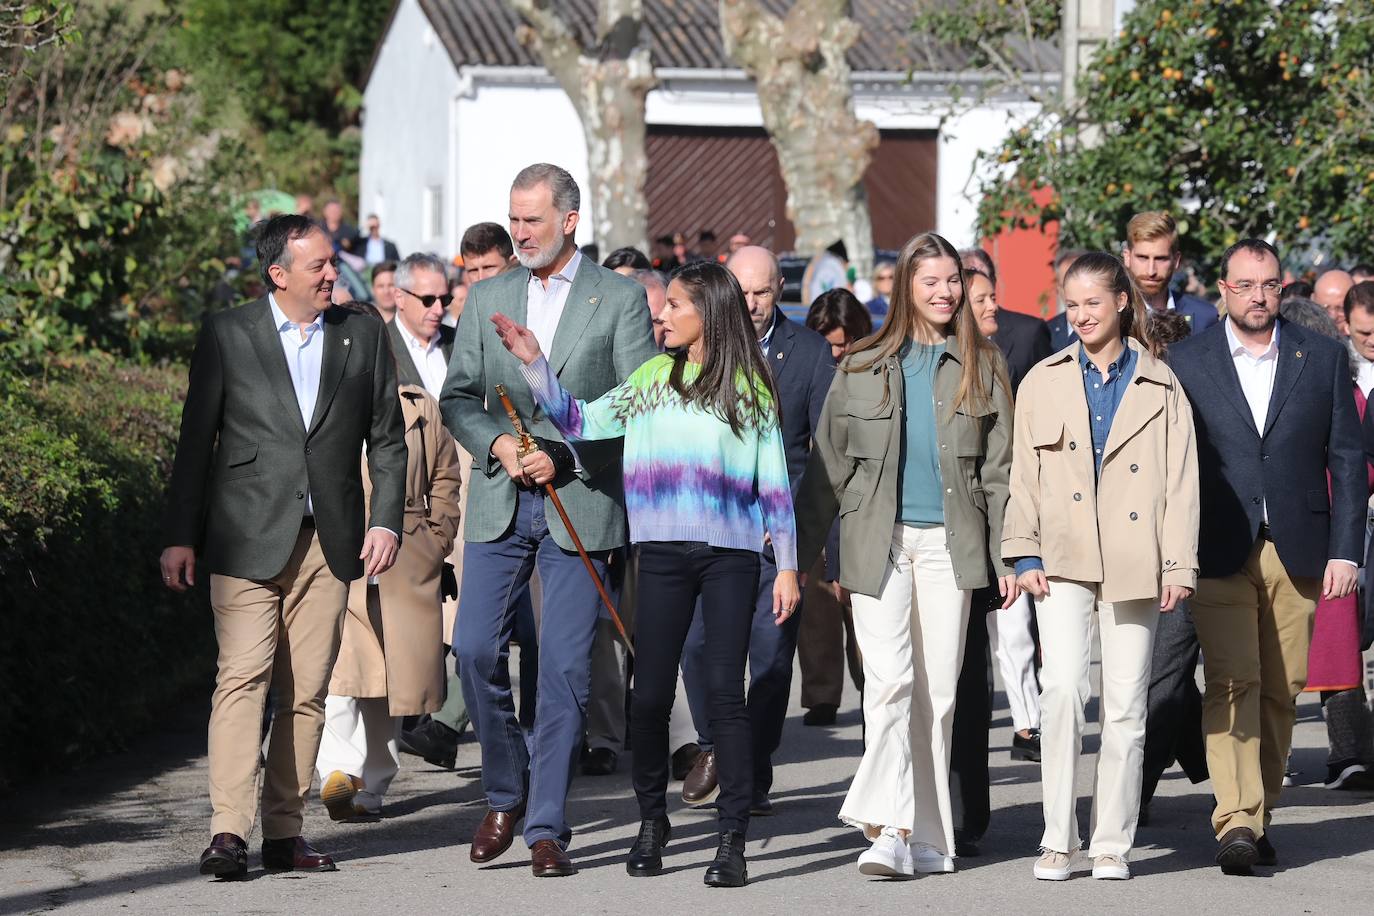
point(735, 383)
point(976, 353)
point(1108, 271)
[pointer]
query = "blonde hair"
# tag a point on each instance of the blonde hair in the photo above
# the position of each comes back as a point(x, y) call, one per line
point(1108, 271)
point(1151, 225)
point(976, 353)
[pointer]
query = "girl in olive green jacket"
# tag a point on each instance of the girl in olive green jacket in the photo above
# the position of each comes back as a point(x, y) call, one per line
point(914, 453)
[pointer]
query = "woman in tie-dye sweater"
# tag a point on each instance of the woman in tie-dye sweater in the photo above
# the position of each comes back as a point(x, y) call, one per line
point(705, 480)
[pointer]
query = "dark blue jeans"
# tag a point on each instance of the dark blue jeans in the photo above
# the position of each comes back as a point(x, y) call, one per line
point(772, 649)
point(494, 573)
point(673, 577)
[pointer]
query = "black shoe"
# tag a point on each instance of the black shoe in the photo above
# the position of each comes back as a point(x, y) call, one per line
point(820, 714)
point(1238, 851)
point(1349, 774)
point(728, 869)
point(599, 761)
point(434, 741)
point(1026, 748)
point(965, 848)
point(684, 758)
point(646, 855)
point(762, 806)
point(1267, 856)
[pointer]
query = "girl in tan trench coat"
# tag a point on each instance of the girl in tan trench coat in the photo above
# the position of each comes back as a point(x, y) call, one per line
point(1103, 518)
point(391, 660)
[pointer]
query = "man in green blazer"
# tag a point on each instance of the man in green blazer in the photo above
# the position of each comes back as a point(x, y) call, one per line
point(266, 496)
point(595, 326)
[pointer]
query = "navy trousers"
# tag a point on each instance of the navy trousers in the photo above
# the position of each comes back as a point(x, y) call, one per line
point(537, 772)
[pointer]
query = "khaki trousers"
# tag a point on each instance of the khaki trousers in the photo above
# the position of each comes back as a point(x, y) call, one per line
point(281, 632)
point(825, 643)
point(1254, 628)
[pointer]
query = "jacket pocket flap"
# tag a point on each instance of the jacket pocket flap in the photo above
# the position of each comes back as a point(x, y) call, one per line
point(241, 455)
point(870, 410)
point(850, 501)
point(1044, 433)
point(1318, 501)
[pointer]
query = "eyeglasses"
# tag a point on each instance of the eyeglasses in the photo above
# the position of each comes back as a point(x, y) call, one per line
point(1246, 287)
point(428, 301)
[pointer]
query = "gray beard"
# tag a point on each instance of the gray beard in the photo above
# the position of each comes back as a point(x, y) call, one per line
point(540, 259)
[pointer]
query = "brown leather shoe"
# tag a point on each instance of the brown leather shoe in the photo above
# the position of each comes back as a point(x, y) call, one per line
point(294, 854)
point(548, 860)
point(700, 786)
point(494, 834)
point(1237, 851)
point(225, 857)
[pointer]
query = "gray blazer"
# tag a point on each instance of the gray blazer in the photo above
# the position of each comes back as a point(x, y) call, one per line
point(604, 334)
point(245, 461)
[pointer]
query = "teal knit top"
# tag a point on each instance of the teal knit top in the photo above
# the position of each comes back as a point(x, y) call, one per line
point(687, 476)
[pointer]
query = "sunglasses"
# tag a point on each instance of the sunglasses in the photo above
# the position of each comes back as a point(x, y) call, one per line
point(428, 301)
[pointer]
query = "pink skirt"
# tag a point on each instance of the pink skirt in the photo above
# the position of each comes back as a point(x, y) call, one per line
point(1333, 661)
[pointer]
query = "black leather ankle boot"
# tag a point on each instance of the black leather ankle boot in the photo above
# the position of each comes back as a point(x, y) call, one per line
point(728, 869)
point(646, 855)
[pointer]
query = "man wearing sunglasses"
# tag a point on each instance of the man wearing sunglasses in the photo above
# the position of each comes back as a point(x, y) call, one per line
point(1275, 418)
point(420, 340)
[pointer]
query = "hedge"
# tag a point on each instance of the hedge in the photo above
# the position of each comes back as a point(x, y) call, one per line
point(93, 649)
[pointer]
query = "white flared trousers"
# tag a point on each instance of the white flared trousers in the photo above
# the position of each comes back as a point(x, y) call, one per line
point(1009, 634)
point(360, 739)
point(912, 639)
point(1127, 632)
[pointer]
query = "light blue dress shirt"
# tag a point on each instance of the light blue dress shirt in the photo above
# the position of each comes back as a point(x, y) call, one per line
point(304, 356)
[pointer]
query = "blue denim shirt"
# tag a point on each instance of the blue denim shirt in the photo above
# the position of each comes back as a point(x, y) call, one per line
point(1104, 398)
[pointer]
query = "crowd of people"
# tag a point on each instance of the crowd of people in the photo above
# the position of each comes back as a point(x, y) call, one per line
point(666, 492)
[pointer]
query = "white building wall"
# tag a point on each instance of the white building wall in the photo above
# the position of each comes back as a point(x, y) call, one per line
point(405, 163)
point(500, 128)
point(494, 121)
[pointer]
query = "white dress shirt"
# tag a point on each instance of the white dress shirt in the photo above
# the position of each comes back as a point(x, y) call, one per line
point(428, 358)
point(1364, 370)
point(1256, 373)
point(304, 356)
point(544, 305)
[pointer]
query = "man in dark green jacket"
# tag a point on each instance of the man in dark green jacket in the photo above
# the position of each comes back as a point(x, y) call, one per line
point(266, 496)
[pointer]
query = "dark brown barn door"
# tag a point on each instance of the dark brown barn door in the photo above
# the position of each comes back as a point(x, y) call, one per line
point(726, 179)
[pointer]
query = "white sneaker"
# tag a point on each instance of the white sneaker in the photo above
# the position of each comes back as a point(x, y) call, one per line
point(888, 857)
point(1111, 868)
point(929, 860)
point(1054, 866)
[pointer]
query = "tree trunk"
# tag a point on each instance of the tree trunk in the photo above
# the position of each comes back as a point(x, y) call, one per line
point(803, 80)
point(607, 84)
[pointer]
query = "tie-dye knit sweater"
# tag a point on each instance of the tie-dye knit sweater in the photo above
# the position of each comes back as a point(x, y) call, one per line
point(687, 476)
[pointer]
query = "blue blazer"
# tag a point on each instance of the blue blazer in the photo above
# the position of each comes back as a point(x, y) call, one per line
point(1200, 313)
point(802, 371)
point(1311, 428)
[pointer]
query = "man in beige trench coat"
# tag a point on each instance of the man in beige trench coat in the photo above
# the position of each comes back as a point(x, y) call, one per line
point(391, 660)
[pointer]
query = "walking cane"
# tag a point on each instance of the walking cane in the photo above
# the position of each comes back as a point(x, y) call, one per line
point(528, 445)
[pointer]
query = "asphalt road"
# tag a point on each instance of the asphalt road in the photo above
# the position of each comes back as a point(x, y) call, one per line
point(123, 835)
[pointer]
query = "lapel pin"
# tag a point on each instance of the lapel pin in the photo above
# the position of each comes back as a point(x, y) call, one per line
point(593, 300)
point(347, 341)
point(1298, 354)
point(779, 356)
